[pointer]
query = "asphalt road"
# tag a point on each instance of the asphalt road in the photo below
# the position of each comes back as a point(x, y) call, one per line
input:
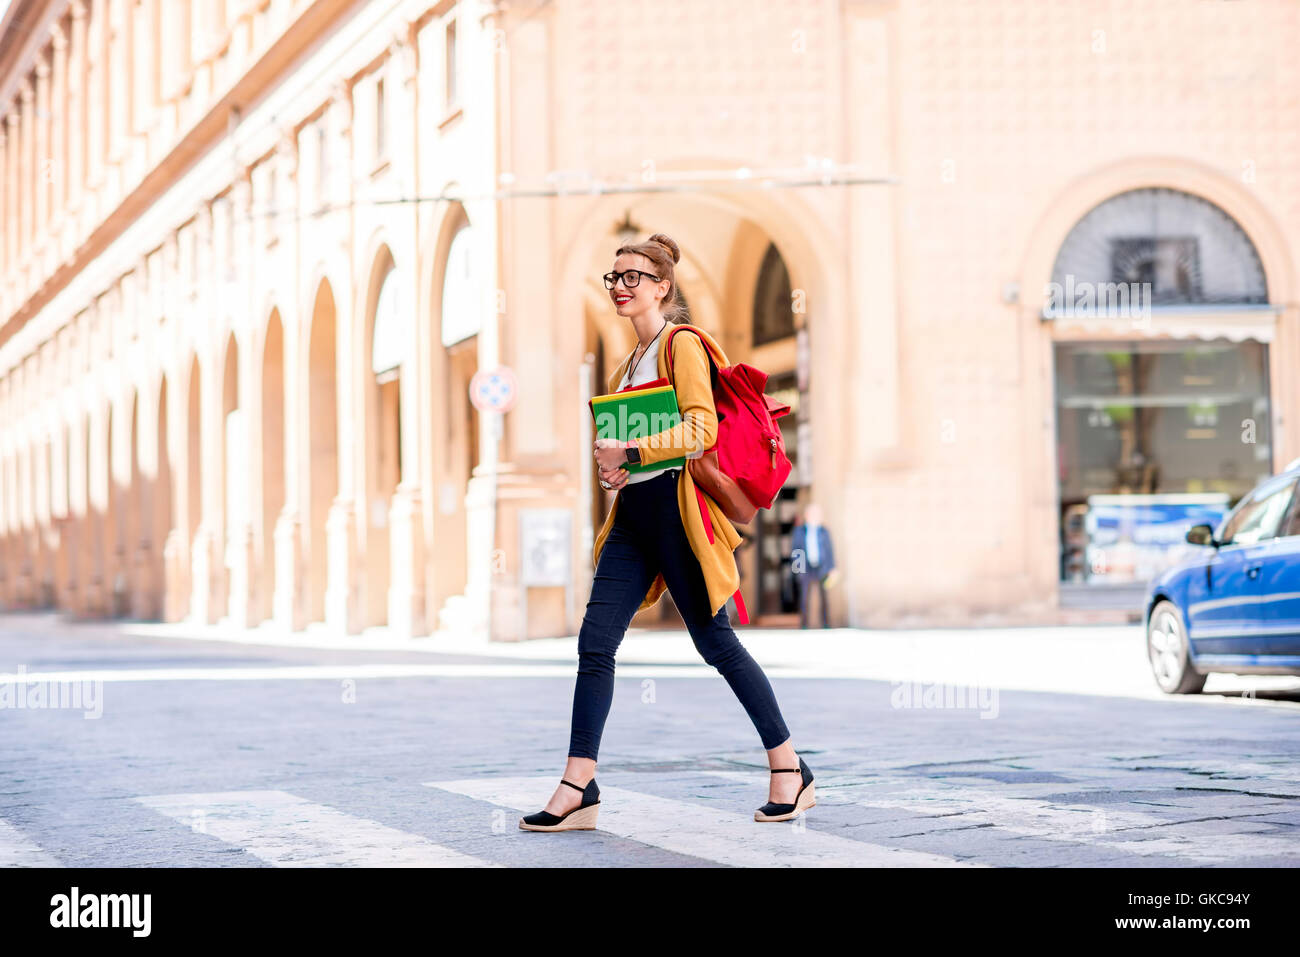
point(182, 752)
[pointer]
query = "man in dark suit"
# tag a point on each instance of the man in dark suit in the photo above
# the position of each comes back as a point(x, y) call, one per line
point(811, 560)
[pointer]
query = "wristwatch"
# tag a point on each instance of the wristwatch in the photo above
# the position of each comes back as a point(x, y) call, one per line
point(633, 455)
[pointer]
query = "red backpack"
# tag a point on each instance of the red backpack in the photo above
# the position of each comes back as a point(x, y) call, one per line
point(747, 465)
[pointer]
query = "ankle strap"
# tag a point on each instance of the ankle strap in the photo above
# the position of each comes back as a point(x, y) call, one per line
point(791, 770)
point(572, 785)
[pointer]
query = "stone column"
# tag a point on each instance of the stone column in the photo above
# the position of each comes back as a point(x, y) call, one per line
point(290, 601)
point(27, 179)
point(77, 99)
point(6, 247)
point(43, 169)
point(12, 220)
point(407, 613)
point(344, 601)
point(59, 143)
point(244, 601)
point(96, 100)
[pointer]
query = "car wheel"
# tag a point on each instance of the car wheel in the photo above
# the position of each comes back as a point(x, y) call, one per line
point(1167, 650)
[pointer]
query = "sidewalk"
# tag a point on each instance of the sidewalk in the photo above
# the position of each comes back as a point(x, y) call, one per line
point(1093, 660)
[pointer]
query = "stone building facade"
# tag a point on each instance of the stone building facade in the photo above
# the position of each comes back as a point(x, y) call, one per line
point(254, 255)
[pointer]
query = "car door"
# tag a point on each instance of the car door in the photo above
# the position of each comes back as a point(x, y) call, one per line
point(1279, 583)
point(1225, 603)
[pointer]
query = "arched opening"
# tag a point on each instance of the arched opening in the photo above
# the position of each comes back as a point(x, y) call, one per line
point(273, 486)
point(67, 524)
point(92, 577)
point(194, 476)
point(115, 567)
point(322, 428)
point(772, 325)
point(234, 487)
point(49, 536)
point(386, 347)
point(1156, 430)
point(457, 311)
point(135, 525)
point(161, 510)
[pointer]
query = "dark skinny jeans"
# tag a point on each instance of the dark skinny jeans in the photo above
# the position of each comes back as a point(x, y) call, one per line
point(648, 537)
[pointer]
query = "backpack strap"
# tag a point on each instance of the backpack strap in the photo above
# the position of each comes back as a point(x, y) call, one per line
point(742, 615)
point(668, 346)
point(704, 513)
point(741, 612)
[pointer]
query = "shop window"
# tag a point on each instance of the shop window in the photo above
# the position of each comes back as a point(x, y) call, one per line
point(1152, 437)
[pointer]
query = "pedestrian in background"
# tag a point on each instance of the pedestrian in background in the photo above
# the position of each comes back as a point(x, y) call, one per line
point(812, 560)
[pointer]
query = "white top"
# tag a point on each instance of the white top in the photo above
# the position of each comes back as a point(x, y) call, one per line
point(647, 370)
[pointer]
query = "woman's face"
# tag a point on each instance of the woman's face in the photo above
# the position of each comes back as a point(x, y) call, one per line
point(645, 295)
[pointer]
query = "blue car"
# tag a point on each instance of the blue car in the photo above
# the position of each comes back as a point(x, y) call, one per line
point(1235, 607)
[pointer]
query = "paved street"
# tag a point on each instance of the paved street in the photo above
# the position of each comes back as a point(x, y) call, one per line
point(1053, 749)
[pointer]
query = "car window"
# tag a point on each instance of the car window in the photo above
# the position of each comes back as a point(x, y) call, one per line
point(1291, 523)
point(1258, 520)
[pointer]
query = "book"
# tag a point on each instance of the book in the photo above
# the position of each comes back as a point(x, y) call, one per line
point(635, 412)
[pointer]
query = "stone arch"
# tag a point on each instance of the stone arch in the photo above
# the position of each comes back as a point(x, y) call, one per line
point(1045, 237)
point(380, 369)
point(718, 274)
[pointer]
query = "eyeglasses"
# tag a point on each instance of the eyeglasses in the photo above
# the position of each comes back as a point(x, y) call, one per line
point(630, 277)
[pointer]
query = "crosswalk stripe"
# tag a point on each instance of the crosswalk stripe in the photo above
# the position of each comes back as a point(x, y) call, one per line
point(289, 831)
point(1099, 826)
point(18, 850)
point(725, 837)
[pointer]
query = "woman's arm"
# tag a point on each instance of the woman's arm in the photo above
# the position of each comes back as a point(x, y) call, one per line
point(698, 429)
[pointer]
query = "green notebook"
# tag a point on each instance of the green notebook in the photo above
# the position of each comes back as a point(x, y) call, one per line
point(635, 413)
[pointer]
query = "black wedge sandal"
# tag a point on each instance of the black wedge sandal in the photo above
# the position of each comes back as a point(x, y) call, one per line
point(806, 798)
point(581, 818)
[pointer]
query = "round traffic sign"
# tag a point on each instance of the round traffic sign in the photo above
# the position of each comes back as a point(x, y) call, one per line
point(493, 390)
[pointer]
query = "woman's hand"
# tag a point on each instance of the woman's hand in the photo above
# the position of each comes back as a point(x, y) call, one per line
point(610, 454)
point(610, 459)
point(616, 478)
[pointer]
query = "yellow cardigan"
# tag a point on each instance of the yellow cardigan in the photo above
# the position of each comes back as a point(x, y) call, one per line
point(698, 430)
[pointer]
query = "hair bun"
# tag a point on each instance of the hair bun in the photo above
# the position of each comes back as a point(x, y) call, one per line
point(668, 244)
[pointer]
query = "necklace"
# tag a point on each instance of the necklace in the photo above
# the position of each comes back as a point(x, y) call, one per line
point(647, 349)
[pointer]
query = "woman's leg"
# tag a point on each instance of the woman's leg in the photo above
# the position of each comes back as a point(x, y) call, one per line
point(713, 635)
point(622, 578)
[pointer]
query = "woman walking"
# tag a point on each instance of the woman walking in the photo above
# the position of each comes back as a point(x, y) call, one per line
point(654, 539)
